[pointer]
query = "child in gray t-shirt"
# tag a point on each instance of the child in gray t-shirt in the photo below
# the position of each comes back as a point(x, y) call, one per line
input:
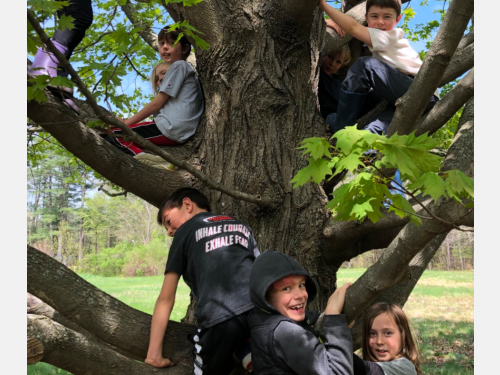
point(177, 107)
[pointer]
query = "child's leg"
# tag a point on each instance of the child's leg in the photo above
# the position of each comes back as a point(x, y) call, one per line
point(370, 73)
point(147, 130)
point(214, 346)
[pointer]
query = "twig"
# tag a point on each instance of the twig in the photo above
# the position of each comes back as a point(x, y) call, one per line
point(101, 188)
point(36, 129)
point(256, 199)
point(452, 224)
point(133, 67)
point(93, 43)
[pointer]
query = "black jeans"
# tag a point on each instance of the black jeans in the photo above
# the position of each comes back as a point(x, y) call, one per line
point(385, 82)
point(81, 11)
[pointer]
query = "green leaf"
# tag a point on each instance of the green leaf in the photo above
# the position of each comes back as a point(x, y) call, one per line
point(65, 22)
point(351, 162)
point(431, 184)
point(460, 182)
point(46, 5)
point(347, 137)
point(400, 202)
point(316, 147)
point(316, 171)
point(61, 81)
point(410, 154)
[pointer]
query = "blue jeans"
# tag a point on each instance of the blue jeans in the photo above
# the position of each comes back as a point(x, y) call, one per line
point(385, 82)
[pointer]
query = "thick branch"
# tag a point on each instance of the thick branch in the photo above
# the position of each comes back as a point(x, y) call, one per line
point(146, 33)
point(79, 354)
point(345, 240)
point(410, 107)
point(151, 184)
point(466, 40)
point(462, 61)
point(130, 135)
point(36, 306)
point(332, 41)
point(448, 106)
point(100, 314)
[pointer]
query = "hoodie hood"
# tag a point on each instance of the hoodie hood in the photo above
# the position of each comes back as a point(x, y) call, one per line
point(269, 267)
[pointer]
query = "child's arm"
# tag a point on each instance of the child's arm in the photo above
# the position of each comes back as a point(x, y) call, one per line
point(334, 26)
point(161, 315)
point(350, 25)
point(336, 301)
point(149, 109)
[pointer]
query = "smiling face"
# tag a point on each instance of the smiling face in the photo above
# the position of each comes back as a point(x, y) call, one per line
point(382, 18)
point(332, 63)
point(289, 297)
point(385, 338)
point(169, 52)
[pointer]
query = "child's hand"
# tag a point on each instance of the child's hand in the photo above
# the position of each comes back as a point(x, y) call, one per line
point(336, 301)
point(158, 361)
point(334, 26)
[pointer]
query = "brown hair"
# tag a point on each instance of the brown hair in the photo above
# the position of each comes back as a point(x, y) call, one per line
point(171, 36)
point(152, 78)
point(409, 348)
point(394, 4)
point(175, 199)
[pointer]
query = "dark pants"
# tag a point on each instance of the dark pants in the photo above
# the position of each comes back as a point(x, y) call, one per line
point(214, 346)
point(81, 11)
point(385, 82)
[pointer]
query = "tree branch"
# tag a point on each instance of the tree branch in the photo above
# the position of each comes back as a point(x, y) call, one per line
point(444, 109)
point(462, 61)
point(103, 316)
point(79, 354)
point(410, 107)
point(399, 293)
point(258, 200)
point(147, 34)
point(390, 268)
point(332, 41)
point(101, 188)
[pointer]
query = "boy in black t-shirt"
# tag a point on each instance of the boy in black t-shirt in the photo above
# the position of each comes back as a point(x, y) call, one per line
point(214, 254)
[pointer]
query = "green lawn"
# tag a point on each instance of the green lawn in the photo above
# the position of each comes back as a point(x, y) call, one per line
point(441, 310)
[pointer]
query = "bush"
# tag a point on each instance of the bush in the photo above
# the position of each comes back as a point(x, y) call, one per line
point(128, 260)
point(147, 260)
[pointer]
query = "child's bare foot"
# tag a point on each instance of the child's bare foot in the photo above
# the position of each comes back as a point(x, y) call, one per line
point(159, 362)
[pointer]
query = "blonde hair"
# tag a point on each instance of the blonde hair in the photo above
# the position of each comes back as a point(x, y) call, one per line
point(345, 53)
point(409, 347)
point(152, 78)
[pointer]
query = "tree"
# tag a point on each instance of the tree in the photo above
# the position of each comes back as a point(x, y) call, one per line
point(260, 79)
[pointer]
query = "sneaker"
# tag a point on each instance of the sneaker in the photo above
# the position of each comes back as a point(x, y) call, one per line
point(154, 161)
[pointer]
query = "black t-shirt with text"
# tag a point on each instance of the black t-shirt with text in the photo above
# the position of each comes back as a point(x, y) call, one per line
point(214, 254)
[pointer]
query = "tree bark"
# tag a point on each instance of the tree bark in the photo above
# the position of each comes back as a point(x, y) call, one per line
point(78, 354)
point(98, 313)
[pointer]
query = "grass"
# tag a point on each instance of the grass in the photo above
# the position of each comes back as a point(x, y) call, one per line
point(441, 310)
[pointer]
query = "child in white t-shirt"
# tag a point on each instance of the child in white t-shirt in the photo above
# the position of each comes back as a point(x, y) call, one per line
point(386, 75)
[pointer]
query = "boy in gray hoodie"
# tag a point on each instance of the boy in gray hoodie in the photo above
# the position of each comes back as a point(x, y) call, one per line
point(283, 340)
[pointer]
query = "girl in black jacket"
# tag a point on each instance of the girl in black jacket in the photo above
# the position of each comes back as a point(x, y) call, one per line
point(283, 340)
